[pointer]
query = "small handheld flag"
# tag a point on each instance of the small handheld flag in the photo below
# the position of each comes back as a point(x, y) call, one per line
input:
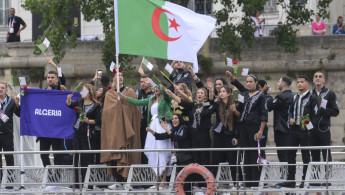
point(147, 63)
point(44, 45)
point(78, 88)
point(112, 66)
point(168, 70)
point(228, 62)
point(153, 83)
point(84, 91)
point(16, 81)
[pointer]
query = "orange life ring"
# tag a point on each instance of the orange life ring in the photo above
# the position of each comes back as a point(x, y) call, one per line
point(195, 168)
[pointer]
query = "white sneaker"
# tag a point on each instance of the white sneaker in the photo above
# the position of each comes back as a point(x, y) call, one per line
point(115, 186)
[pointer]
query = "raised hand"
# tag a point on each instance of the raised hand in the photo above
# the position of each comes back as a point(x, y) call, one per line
point(209, 84)
point(229, 74)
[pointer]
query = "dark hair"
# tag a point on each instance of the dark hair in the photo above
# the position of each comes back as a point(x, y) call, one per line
point(27, 79)
point(287, 80)
point(53, 72)
point(105, 81)
point(180, 118)
point(304, 77)
point(253, 76)
point(322, 72)
point(144, 76)
point(224, 83)
point(262, 83)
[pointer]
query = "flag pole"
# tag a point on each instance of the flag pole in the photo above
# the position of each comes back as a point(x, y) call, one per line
point(43, 53)
point(167, 78)
point(117, 49)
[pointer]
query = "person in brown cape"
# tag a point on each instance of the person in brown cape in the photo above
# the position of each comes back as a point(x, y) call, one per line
point(120, 130)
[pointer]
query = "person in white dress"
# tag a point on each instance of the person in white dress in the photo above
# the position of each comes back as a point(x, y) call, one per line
point(159, 112)
point(258, 24)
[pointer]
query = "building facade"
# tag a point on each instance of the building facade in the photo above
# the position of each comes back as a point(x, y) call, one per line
point(272, 14)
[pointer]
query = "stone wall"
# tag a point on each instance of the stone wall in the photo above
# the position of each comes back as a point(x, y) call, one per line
point(267, 60)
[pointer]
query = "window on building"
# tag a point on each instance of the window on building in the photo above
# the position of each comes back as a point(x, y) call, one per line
point(270, 6)
point(4, 8)
point(203, 7)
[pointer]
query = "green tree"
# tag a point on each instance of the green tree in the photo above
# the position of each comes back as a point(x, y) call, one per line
point(56, 19)
point(235, 36)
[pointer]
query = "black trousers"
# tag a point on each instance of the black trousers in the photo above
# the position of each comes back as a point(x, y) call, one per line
point(222, 140)
point(250, 158)
point(81, 142)
point(13, 38)
point(96, 145)
point(201, 140)
point(6, 144)
point(56, 144)
point(281, 140)
point(298, 137)
point(143, 134)
point(319, 138)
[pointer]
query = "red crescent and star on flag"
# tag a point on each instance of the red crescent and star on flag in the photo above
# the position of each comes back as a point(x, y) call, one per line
point(157, 28)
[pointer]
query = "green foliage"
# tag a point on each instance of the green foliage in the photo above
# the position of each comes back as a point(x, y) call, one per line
point(55, 21)
point(36, 74)
point(56, 18)
point(205, 63)
point(235, 36)
point(331, 56)
point(268, 77)
point(292, 75)
point(4, 55)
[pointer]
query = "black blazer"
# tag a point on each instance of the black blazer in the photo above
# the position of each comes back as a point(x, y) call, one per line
point(95, 113)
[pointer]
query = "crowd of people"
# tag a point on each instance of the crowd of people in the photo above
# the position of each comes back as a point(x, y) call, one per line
point(168, 116)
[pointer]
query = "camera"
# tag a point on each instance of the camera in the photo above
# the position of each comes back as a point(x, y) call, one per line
point(99, 74)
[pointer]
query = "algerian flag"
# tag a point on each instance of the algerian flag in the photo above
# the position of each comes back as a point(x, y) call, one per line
point(147, 63)
point(238, 97)
point(240, 71)
point(84, 91)
point(161, 29)
point(228, 62)
point(112, 66)
point(168, 70)
point(153, 83)
point(44, 46)
point(16, 81)
point(79, 87)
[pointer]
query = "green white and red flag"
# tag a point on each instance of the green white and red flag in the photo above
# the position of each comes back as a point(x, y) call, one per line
point(44, 45)
point(160, 29)
point(153, 83)
point(168, 70)
point(147, 63)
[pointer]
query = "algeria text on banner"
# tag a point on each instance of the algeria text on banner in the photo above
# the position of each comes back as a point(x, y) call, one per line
point(44, 114)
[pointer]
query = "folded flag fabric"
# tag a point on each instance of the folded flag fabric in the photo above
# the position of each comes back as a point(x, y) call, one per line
point(44, 45)
point(237, 97)
point(79, 87)
point(112, 66)
point(153, 83)
point(84, 91)
point(38, 117)
point(168, 70)
point(147, 63)
point(240, 71)
point(228, 62)
point(160, 29)
point(16, 81)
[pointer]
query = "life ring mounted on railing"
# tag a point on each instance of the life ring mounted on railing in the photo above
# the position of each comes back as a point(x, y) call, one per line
point(198, 169)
